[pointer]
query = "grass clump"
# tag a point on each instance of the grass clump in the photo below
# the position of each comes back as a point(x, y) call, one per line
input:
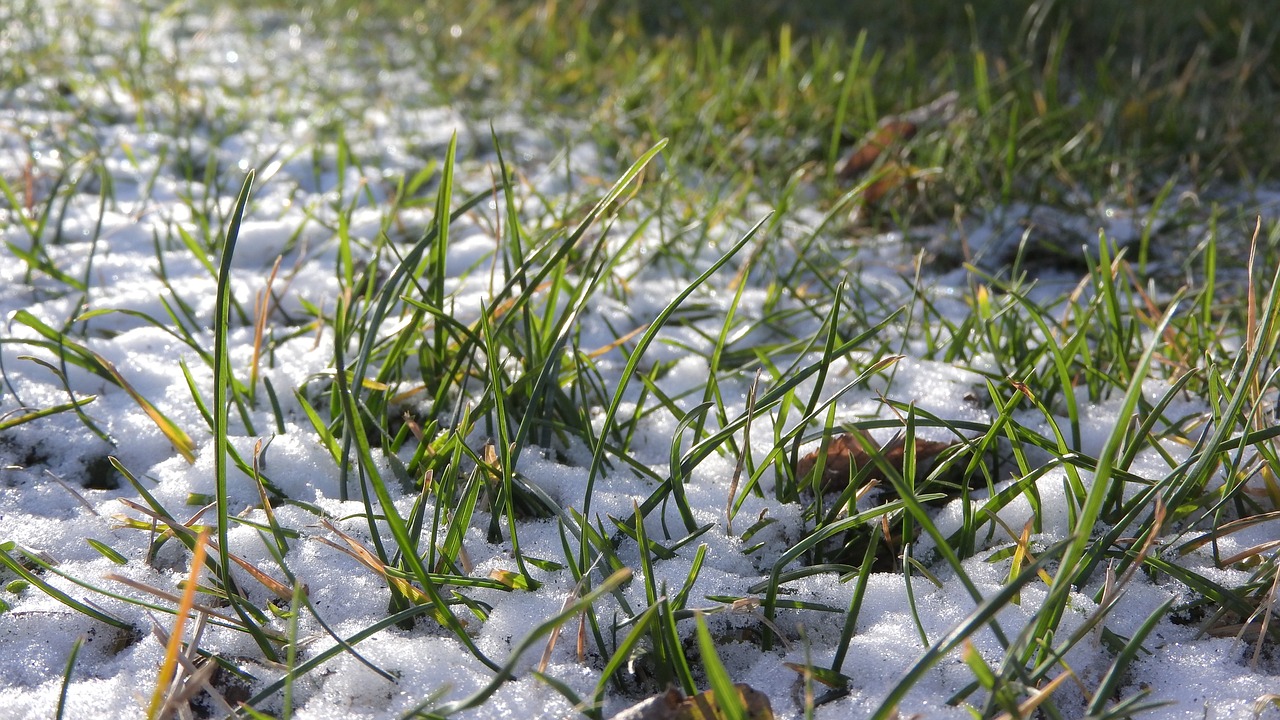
point(441, 381)
point(1055, 99)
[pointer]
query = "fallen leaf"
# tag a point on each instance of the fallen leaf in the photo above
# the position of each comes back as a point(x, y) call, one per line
point(847, 453)
point(882, 144)
point(672, 705)
point(889, 178)
point(658, 707)
point(889, 132)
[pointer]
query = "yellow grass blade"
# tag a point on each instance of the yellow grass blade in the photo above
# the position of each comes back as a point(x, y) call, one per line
point(175, 638)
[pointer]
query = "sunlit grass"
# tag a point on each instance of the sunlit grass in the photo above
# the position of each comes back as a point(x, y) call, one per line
point(432, 398)
point(1055, 99)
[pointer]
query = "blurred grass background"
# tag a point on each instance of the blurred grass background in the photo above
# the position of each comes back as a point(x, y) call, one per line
point(1058, 99)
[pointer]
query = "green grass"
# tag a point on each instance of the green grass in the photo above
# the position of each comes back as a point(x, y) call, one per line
point(706, 117)
point(1056, 98)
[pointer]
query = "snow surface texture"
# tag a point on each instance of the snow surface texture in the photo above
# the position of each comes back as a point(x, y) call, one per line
point(114, 249)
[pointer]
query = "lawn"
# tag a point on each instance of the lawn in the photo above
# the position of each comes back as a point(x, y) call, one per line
point(543, 359)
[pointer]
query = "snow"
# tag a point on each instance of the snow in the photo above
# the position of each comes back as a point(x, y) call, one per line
point(292, 216)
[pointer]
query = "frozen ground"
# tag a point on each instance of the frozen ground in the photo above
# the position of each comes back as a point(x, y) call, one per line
point(126, 254)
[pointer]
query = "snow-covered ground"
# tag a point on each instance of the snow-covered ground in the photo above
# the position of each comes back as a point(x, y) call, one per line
point(244, 107)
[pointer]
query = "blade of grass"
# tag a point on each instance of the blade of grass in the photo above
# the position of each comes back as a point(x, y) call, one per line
point(1075, 566)
point(66, 677)
point(53, 592)
point(221, 408)
point(985, 612)
point(507, 671)
point(1116, 674)
point(727, 699)
point(95, 363)
point(597, 458)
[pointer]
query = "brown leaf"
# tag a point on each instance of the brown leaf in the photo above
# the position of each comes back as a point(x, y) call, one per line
point(671, 705)
point(889, 132)
point(846, 454)
point(882, 145)
point(890, 177)
point(658, 707)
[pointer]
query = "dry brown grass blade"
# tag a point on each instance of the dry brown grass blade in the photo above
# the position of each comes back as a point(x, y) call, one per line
point(197, 680)
point(1225, 530)
point(74, 493)
point(362, 555)
point(359, 554)
point(545, 660)
point(1028, 707)
point(262, 489)
point(1260, 705)
point(1022, 543)
point(1265, 609)
point(1159, 514)
point(886, 530)
point(275, 586)
point(888, 133)
point(371, 561)
point(195, 677)
point(169, 667)
point(893, 130)
point(262, 308)
point(672, 705)
point(170, 597)
point(605, 349)
point(1250, 552)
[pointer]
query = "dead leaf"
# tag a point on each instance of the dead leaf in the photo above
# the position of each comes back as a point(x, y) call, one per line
point(846, 454)
point(671, 705)
point(882, 146)
point(890, 177)
point(888, 133)
point(658, 707)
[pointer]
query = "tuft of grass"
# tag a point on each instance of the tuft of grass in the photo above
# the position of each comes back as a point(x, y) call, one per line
point(1056, 98)
point(430, 401)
